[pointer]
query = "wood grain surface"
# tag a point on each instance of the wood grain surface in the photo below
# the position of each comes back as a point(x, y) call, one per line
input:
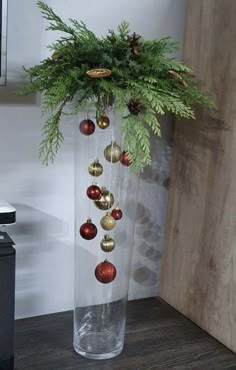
point(198, 275)
point(157, 337)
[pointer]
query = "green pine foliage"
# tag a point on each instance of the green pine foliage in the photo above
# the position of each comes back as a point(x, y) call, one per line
point(141, 70)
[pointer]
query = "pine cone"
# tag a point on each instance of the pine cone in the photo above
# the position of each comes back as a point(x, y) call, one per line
point(183, 83)
point(135, 106)
point(174, 74)
point(134, 44)
point(137, 50)
point(133, 39)
point(56, 55)
point(179, 77)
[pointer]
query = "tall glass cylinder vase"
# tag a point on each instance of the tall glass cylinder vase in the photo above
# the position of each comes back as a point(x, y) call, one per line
point(106, 193)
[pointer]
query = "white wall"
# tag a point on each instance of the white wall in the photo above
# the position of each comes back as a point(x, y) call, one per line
point(42, 195)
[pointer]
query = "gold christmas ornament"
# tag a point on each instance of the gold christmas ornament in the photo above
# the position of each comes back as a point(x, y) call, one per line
point(112, 152)
point(106, 201)
point(95, 169)
point(99, 73)
point(107, 222)
point(103, 122)
point(107, 244)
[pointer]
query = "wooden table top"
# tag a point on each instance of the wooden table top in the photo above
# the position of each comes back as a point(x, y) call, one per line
point(157, 337)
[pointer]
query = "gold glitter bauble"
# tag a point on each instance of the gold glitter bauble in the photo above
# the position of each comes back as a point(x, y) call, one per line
point(106, 201)
point(99, 73)
point(107, 222)
point(95, 169)
point(112, 152)
point(103, 122)
point(107, 244)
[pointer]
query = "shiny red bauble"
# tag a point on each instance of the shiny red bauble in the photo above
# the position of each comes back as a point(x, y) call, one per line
point(125, 159)
point(105, 272)
point(117, 213)
point(87, 127)
point(88, 230)
point(94, 192)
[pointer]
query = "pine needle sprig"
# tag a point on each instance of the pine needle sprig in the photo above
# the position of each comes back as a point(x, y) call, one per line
point(135, 132)
point(146, 81)
point(123, 30)
point(55, 22)
point(53, 138)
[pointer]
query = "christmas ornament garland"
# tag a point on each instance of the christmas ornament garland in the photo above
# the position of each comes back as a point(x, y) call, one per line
point(103, 199)
point(137, 78)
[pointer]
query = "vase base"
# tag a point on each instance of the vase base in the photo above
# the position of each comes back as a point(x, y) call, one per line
point(97, 345)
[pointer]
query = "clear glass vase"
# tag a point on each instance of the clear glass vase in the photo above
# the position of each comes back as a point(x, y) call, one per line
point(103, 240)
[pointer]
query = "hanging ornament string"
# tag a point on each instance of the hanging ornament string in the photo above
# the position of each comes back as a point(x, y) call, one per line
point(119, 177)
point(112, 145)
point(96, 142)
point(88, 177)
point(86, 110)
point(88, 159)
point(119, 165)
point(113, 124)
point(96, 147)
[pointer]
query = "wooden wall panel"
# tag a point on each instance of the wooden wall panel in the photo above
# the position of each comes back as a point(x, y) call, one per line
point(198, 274)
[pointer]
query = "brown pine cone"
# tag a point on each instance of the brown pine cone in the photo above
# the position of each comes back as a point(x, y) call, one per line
point(183, 83)
point(134, 44)
point(179, 77)
point(174, 74)
point(135, 106)
point(55, 55)
point(133, 39)
point(137, 50)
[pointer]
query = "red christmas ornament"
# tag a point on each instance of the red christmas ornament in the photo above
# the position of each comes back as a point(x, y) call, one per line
point(117, 213)
point(126, 159)
point(94, 192)
point(105, 272)
point(88, 230)
point(87, 127)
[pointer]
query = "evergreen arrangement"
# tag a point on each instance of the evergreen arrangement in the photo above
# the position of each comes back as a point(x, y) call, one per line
point(145, 82)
